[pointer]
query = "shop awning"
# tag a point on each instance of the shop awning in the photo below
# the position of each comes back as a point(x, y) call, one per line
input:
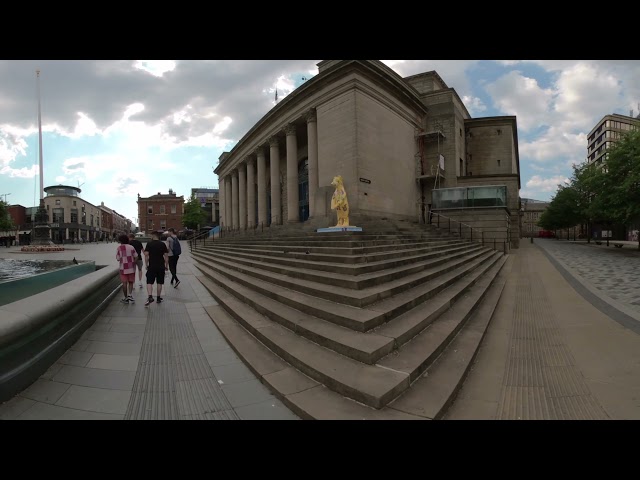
point(25, 232)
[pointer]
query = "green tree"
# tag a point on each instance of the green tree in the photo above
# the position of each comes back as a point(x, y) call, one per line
point(5, 220)
point(618, 194)
point(194, 214)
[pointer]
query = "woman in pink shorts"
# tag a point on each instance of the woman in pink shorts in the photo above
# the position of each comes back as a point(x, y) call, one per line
point(127, 255)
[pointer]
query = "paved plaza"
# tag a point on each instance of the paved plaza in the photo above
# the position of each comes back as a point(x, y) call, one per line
point(564, 344)
point(165, 361)
point(550, 352)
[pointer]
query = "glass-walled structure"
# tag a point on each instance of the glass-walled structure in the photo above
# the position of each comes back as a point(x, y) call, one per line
point(470, 197)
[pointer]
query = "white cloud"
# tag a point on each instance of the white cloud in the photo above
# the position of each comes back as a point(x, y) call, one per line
point(156, 68)
point(556, 143)
point(24, 172)
point(473, 104)
point(515, 94)
point(539, 184)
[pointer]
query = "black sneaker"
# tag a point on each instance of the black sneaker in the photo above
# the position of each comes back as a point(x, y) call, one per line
point(149, 300)
point(177, 283)
point(124, 300)
point(159, 300)
point(131, 299)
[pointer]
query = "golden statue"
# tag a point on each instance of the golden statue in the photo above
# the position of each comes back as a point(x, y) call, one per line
point(339, 202)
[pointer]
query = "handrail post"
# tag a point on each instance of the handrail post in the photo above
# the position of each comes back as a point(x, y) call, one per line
point(460, 230)
point(471, 233)
point(438, 220)
point(482, 235)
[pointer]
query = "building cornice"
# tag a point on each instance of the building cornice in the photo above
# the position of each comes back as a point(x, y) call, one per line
point(373, 69)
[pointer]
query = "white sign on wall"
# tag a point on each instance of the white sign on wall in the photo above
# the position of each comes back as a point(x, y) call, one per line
point(441, 162)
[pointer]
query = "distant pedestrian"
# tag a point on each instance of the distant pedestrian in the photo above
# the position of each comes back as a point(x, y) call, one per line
point(126, 255)
point(157, 262)
point(175, 249)
point(137, 244)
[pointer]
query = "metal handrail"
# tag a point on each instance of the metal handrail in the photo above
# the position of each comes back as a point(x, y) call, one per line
point(479, 232)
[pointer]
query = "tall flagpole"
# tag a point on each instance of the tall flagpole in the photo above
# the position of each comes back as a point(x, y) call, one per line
point(40, 138)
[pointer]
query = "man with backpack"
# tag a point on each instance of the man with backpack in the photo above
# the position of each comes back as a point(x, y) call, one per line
point(174, 253)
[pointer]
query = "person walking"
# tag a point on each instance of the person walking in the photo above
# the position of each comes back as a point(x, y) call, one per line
point(175, 249)
point(137, 244)
point(157, 261)
point(126, 255)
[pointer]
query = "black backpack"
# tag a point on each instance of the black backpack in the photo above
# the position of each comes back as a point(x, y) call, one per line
point(177, 249)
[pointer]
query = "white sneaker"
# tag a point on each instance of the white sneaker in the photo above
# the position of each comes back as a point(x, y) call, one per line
point(140, 285)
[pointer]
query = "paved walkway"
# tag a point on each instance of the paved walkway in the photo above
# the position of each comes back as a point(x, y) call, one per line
point(550, 353)
point(611, 274)
point(165, 361)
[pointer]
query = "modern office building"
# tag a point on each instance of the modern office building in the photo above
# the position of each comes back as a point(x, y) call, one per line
point(606, 132)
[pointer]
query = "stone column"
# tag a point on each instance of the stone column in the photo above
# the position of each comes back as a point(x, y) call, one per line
point(242, 195)
point(312, 146)
point(221, 202)
point(227, 202)
point(235, 212)
point(274, 167)
point(251, 193)
point(293, 213)
point(262, 186)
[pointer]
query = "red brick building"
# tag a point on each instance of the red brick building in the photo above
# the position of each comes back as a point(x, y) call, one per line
point(160, 212)
point(18, 215)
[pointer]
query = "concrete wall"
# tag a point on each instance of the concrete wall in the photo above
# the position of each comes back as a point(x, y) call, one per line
point(337, 141)
point(490, 225)
point(486, 144)
point(513, 198)
point(385, 156)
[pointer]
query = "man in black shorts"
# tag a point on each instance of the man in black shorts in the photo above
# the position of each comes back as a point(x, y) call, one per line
point(137, 244)
point(157, 262)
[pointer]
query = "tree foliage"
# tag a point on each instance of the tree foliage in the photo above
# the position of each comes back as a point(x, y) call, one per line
point(610, 194)
point(5, 220)
point(194, 214)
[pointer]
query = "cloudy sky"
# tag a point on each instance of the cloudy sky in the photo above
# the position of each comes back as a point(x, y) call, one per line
point(119, 128)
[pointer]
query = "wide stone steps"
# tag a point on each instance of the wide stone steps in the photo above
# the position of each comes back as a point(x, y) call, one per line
point(366, 348)
point(352, 277)
point(433, 392)
point(369, 384)
point(334, 248)
point(373, 385)
point(345, 307)
point(325, 261)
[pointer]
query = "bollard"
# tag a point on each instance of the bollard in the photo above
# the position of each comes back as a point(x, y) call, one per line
point(531, 239)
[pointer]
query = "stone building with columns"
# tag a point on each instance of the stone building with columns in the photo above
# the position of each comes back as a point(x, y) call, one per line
point(394, 141)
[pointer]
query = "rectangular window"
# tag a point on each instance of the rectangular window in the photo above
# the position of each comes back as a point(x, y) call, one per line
point(150, 224)
point(173, 209)
point(91, 220)
point(58, 215)
point(163, 224)
point(150, 210)
point(74, 215)
point(162, 210)
point(74, 203)
point(57, 202)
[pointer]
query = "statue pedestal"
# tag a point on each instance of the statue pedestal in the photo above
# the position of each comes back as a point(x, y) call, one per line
point(41, 229)
point(339, 229)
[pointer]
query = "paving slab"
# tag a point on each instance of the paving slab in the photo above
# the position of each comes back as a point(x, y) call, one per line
point(44, 411)
point(72, 357)
point(114, 362)
point(272, 409)
point(95, 399)
point(247, 393)
point(11, 409)
point(46, 391)
point(96, 377)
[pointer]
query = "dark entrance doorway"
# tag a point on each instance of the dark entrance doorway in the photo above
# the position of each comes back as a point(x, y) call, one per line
point(303, 189)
